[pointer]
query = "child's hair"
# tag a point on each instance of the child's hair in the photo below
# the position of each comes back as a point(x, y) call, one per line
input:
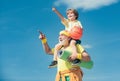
point(74, 11)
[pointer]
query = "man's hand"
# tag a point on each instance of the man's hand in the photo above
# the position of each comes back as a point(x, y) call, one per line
point(41, 36)
point(85, 56)
point(72, 57)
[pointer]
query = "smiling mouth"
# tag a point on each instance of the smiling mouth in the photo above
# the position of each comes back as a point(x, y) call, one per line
point(70, 16)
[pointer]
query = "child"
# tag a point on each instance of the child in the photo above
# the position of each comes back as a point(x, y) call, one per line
point(74, 27)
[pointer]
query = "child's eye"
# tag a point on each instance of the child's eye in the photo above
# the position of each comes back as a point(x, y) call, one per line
point(67, 13)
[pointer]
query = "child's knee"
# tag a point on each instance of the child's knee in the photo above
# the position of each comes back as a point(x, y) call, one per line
point(72, 42)
point(58, 46)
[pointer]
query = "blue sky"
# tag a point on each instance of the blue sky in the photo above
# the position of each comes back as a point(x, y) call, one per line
point(22, 57)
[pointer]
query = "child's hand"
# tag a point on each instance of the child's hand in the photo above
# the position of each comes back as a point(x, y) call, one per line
point(53, 8)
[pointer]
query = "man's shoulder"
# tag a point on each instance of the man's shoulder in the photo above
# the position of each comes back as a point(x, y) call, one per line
point(79, 48)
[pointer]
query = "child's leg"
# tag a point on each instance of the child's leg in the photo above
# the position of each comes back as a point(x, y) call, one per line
point(55, 55)
point(74, 49)
point(54, 62)
point(57, 48)
point(74, 52)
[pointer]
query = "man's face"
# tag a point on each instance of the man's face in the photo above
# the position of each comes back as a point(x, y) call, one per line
point(63, 39)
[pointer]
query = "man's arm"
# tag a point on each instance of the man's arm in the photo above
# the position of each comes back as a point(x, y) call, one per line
point(82, 54)
point(45, 44)
point(47, 48)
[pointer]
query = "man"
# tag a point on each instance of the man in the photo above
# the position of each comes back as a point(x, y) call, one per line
point(66, 71)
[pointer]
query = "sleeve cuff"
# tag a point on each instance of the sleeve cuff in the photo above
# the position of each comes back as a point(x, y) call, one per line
point(79, 56)
point(44, 41)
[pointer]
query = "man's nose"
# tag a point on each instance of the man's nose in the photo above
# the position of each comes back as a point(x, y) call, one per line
point(59, 37)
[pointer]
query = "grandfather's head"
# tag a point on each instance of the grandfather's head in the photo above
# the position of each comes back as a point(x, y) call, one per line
point(64, 37)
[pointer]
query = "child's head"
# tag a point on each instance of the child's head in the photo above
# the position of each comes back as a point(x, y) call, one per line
point(72, 14)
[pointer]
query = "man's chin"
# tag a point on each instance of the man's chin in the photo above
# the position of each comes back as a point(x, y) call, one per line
point(61, 42)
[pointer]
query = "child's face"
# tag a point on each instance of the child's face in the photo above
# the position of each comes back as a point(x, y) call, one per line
point(71, 16)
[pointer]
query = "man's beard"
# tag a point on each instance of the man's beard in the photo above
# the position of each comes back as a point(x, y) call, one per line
point(63, 42)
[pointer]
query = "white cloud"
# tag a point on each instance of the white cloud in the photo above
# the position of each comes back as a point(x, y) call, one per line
point(85, 4)
point(87, 46)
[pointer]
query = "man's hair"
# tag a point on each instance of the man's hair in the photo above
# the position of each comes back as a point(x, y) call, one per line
point(74, 11)
point(65, 32)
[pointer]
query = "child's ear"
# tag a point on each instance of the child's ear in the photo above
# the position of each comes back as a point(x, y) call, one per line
point(75, 17)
